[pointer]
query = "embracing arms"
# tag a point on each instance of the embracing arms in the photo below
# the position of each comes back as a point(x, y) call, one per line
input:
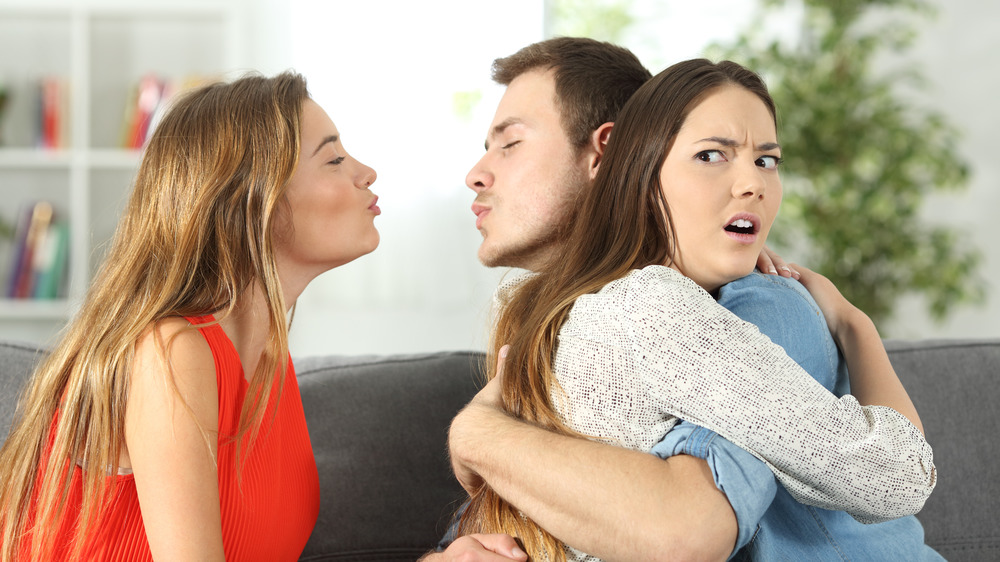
point(704, 365)
point(610, 502)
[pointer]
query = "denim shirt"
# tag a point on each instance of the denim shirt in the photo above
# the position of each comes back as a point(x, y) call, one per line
point(772, 525)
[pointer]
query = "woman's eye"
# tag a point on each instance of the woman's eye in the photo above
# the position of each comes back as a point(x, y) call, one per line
point(769, 162)
point(336, 161)
point(711, 156)
point(510, 145)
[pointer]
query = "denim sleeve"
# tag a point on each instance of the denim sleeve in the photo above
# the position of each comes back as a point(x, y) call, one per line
point(747, 482)
point(784, 311)
point(452, 533)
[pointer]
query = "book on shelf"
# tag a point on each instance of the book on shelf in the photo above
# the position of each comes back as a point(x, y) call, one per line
point(52, 124)
point(40, 254)
point(147, 102)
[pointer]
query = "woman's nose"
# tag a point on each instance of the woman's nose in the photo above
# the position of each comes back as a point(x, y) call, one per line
point(366, 176)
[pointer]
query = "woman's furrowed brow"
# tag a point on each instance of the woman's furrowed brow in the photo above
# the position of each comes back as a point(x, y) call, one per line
point(732, 143)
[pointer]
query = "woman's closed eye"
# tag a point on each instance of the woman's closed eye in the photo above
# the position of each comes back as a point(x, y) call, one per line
point(336, 161)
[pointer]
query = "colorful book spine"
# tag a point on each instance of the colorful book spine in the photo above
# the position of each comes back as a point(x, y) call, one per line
point(147, 98)
point(50, 262)
point(41, 247)
point(147, 102)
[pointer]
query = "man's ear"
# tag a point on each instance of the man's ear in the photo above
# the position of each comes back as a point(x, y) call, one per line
point(598, 144)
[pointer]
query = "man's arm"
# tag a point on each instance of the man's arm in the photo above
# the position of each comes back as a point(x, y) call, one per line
point(610, 502)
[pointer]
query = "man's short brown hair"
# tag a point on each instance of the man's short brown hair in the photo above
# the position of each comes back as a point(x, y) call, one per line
point(593, 79)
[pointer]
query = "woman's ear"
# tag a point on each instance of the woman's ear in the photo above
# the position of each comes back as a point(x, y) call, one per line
point(598, 144)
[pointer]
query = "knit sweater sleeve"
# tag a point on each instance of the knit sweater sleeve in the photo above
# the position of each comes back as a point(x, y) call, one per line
point(701, 363)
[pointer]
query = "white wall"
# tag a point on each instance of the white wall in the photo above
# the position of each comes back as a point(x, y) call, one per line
point(387, 73)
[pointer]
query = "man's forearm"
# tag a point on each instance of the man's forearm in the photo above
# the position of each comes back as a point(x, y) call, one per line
point(608, 501)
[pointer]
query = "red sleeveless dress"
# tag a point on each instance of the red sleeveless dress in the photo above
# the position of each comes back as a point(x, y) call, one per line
point(267, 515)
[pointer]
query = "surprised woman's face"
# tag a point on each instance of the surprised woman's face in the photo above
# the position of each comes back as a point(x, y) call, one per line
point(720, 180)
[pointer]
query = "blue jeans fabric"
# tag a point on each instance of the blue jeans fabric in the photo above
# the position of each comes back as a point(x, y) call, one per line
point(772, 524)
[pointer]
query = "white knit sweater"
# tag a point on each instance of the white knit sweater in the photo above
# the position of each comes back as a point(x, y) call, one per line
point(653, 347)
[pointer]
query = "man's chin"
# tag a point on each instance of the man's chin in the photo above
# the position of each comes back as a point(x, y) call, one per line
point(492, 256)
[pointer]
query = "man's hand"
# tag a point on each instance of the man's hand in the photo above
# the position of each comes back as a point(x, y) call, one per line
point(471, 548)
point(486, 402)
point(490, 395)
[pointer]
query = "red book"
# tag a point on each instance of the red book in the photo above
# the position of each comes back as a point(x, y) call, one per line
point(147, 100)
point(50, 113)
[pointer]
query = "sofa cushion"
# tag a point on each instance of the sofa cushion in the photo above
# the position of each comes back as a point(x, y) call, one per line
point(378, 427)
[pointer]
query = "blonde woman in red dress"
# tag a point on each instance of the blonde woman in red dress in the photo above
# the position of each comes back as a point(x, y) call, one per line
point(166, 423)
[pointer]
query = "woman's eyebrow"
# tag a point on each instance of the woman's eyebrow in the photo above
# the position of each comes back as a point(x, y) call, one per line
point(732, 143)
point(326, 140)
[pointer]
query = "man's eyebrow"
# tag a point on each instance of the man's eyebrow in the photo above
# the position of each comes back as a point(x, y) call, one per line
point(500, 128)
point(326, 140)
point(731, 143)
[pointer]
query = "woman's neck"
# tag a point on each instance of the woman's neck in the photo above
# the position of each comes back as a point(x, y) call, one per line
point(248, 328)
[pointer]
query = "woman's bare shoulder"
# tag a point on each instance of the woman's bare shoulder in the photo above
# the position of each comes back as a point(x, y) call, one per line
point(173, 341)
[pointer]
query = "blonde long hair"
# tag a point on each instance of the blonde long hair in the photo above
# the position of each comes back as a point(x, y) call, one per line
point(622, 223)
point(196, 235)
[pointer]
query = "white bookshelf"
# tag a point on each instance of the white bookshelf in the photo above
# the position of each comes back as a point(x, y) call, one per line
point(101, 49)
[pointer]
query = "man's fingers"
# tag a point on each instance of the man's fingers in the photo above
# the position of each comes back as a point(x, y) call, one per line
point(504, 545)
point(484, 548)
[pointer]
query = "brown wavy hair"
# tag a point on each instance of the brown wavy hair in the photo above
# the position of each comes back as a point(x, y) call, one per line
point(195, 236)
point(593, 79)
point(623, 223)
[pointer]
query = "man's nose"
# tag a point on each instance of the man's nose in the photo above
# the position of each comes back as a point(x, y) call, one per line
point(479, 177)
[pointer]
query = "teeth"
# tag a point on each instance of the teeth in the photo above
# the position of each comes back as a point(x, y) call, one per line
point(742, 223)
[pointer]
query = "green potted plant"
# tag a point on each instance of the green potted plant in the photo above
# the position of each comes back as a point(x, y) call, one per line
point(859, 159)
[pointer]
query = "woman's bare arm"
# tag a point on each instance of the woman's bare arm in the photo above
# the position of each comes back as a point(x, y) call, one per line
point(873, 380)
point(171, 436)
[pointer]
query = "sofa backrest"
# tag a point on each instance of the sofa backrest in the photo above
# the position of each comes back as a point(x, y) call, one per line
point(378, 427)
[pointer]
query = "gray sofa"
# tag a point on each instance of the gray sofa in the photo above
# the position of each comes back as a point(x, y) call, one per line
point(378, 426)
